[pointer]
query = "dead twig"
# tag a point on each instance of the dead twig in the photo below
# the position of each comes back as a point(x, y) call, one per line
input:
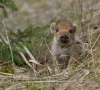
point(6, 31)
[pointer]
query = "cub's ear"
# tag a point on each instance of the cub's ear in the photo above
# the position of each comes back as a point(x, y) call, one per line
point(74, 28)
point(52, 27)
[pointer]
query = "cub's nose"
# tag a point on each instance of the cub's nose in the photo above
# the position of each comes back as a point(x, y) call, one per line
point(64, 38)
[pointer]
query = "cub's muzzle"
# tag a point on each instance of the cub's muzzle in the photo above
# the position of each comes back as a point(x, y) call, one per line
point(64, 38)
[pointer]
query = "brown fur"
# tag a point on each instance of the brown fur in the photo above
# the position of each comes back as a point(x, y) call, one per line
point(66, 53)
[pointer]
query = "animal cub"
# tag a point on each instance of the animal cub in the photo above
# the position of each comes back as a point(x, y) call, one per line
point(66, 47)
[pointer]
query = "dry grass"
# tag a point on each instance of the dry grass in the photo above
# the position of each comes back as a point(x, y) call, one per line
point(36, 76)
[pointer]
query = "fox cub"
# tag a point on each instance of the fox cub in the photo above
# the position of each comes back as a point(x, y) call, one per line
point(66, 46)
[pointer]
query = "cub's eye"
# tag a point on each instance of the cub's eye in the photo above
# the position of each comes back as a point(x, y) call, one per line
point(71, 30)
point(57, 30)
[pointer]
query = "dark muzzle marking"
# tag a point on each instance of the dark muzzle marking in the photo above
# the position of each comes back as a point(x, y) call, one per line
point(64, 38)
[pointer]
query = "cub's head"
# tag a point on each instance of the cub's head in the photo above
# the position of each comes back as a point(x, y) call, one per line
point(63, 31)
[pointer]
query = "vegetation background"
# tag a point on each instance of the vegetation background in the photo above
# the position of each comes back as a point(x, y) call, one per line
point(25, 59)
